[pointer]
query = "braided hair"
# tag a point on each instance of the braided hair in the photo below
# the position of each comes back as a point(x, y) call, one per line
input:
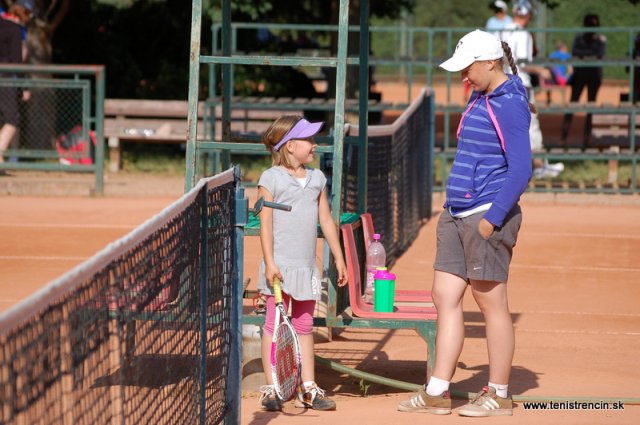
point(514, 69)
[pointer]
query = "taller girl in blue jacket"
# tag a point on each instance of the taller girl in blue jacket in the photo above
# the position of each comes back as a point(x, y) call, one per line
point(479, 225)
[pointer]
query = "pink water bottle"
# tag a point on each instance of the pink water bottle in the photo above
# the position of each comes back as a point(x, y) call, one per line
point(376, 257)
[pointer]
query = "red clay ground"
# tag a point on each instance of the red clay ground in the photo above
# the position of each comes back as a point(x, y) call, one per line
point(573, 295)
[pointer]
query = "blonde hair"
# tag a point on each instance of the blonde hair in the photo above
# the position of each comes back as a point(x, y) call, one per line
point(274, 134)
point(514, 69)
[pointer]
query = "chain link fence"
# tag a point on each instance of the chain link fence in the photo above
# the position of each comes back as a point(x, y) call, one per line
point(56, 114)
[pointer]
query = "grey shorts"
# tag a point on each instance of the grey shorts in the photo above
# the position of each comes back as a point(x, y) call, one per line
point(463, 252)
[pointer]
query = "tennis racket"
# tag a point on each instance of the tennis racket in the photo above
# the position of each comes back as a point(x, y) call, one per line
point(286, 361)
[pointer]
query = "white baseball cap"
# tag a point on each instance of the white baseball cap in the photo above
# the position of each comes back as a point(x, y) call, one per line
point(476, 46)
point(499, 4)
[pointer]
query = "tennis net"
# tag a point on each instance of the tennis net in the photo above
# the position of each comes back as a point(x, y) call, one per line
point(143, 332)
point(399, 174)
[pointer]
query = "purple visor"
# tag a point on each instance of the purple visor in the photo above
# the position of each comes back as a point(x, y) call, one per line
point(302, 130)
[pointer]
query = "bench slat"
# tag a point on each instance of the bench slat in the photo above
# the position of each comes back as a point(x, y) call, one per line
point(152, 108)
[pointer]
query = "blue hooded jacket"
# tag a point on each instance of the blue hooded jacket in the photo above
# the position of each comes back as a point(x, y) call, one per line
point(492, 164)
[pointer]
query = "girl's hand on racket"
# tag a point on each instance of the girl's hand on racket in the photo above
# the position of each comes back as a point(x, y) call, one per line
point(341, 269)
point(272, 271)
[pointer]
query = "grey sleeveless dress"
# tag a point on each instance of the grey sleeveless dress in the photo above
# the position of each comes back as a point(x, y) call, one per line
point(294, 232)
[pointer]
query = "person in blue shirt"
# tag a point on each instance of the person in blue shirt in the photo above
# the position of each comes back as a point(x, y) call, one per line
point(562, 71)
point(500, 18)
point(479, 226)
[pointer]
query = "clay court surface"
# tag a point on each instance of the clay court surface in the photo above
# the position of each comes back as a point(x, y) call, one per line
point(573, 294)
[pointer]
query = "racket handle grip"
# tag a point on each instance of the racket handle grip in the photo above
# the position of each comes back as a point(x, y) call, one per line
point(277, 290)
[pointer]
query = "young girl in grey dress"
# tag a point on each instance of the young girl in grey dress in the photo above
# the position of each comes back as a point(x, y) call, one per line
point(288, 240)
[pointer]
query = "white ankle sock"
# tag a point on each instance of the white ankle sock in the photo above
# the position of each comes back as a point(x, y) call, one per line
point(437, 386)
point(307, 384)
point(501, 390)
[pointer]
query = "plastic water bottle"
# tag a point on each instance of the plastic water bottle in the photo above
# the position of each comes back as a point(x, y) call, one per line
point(376, 257)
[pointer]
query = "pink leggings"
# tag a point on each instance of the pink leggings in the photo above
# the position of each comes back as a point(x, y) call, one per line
point(301, 314)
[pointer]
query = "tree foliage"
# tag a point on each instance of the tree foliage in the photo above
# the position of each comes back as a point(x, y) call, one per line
point(145, 46)
point(145, 43)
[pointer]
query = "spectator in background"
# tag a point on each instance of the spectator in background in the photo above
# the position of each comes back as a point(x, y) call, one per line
point(591, 46)
point(521, 43)
point(22, 10)
point(495, 24)
point(500, 18)
point(561, 73)
point(10, 52)
point(40, 111)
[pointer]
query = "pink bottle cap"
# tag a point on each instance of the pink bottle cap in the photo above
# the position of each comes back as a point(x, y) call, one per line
point(384, 275)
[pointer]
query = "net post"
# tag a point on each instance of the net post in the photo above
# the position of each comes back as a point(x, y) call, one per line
point(66, 360)
point(234, 390)
point(5, 387)
point(204, 267)
point(115, 359)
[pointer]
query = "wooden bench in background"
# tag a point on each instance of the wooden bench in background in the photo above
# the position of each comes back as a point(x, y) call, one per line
point(613, 132)
point(613, 129)
point(165, 121)
point(148, 121)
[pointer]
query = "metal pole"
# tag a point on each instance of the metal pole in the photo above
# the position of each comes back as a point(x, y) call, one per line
point(363, 122)
point(338, 135)
point(192, 114)
point(226, 81)
point(100, 93)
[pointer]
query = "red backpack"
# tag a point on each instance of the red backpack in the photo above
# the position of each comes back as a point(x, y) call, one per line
point(73, 149)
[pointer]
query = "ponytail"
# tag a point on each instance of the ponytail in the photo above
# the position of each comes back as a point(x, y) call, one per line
point(514, 69)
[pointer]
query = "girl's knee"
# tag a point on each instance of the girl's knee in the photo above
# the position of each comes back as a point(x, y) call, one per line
point(302, 317)
point(303, 327)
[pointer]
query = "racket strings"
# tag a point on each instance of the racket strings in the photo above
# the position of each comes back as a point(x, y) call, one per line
point(286, 362)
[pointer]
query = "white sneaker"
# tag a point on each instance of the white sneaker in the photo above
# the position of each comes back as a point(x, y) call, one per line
point(558, 166)
point(269, 399)
point(542, 172)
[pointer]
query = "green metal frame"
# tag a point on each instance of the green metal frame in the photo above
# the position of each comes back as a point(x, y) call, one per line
point(82, 77)
point(248, 223)
point(227, 59)
point(416, 63)
point(196, 147)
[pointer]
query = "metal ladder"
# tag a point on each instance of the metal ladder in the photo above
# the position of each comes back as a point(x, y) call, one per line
point(197, 147)
point(227, 59)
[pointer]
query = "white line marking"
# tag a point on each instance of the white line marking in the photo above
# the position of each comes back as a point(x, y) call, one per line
point(578, 268)
point(583, 235)
point(561, 331)
point(560, 268)
point(69, 225)
point(576, 313)
point(42, 257)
